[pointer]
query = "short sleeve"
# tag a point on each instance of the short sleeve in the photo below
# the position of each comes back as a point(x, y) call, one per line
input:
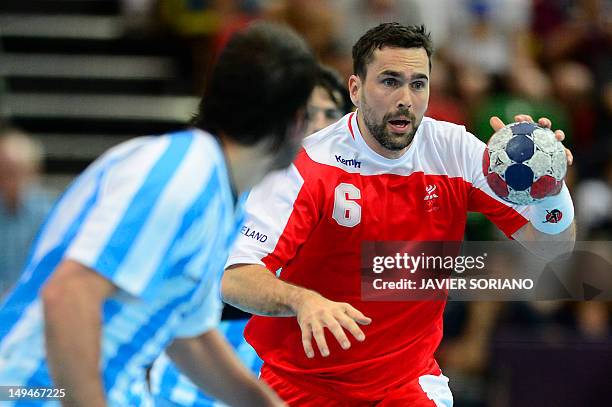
point(204, 317)
point(280, 213)
point(134, 218)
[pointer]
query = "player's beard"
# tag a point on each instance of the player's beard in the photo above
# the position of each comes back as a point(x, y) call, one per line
point(390, 141)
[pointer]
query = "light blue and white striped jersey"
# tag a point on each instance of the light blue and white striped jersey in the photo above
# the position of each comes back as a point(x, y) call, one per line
point(155, 216)
point(172, 389)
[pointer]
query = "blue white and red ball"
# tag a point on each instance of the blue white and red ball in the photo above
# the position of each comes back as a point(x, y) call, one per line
point(524, 163)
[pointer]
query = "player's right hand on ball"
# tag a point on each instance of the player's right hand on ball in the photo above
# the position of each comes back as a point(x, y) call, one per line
point(315, 313)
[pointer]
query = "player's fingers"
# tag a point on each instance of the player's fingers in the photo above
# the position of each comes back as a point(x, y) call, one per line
point(570, 156)
point(523, 118)
point(307, 342)
point(336, 329)
point(319, 336)
point(545, 122)
point(560, 135)
point(350, 325)
point(356, 315)
point(496, 123)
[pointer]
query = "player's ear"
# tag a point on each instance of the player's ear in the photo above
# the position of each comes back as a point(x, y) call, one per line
point(354, 85)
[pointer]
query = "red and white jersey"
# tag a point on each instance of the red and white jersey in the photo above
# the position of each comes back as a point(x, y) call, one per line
point(310, 220)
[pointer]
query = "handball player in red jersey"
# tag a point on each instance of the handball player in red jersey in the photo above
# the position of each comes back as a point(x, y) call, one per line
point(296, 264)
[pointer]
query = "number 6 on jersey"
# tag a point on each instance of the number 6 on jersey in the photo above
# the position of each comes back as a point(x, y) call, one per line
point(347, 212)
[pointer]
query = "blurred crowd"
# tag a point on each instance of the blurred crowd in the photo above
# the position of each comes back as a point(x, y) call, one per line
point(549, 58)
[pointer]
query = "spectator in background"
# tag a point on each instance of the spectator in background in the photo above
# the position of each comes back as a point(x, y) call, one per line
point(473, 86)
point(205, 26)
point(356, 16)
point(489, 34)
point(315, 20)
point(584, 36)
point(23, 203)
point(444, 105)
point(594, 202)
point(360, 15)
point(525, 88)
point(574, 88)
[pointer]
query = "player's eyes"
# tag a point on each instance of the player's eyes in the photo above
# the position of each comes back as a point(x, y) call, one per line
point(418, 85)
point(391, 82)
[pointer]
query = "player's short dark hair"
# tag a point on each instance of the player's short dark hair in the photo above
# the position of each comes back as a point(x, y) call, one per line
point(262, 78)
point(330, 80)
point(389, 35)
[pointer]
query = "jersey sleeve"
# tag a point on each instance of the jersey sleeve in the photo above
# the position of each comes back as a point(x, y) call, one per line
point(507, 217)
point(205, 316)
point(138, 212)
point(280, 213)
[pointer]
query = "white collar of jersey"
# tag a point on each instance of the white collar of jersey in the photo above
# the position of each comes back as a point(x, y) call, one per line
point(373, 155)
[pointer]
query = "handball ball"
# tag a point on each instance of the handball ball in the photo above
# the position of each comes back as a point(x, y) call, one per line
point(524, 163)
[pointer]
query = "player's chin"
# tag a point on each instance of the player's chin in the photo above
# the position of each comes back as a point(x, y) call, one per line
point(399, 141)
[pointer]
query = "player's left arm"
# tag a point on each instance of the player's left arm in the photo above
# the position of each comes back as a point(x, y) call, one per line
point(72, 303)
point(534, 239)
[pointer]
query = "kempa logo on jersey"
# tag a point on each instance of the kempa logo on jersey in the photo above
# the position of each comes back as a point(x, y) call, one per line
point(348, 163)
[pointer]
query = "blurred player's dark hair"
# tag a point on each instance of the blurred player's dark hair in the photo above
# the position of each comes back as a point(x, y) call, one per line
point(262, 78)
point(389, 35)
point(330, 80)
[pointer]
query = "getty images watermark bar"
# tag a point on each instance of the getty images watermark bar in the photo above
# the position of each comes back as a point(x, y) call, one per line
point(23, 393)
point(485, 271)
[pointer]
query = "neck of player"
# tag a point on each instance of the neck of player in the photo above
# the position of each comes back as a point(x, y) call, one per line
point(247, 165)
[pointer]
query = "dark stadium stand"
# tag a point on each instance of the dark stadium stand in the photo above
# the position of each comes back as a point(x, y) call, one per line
point(75, 80)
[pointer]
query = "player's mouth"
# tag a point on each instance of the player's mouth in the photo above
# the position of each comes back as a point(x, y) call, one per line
point(399, 125)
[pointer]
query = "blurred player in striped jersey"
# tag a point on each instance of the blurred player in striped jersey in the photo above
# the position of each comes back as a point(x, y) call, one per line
point(383, 173)
point(129, 261)
point(328, 102)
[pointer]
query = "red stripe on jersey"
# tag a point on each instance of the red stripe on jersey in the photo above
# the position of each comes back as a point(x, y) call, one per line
point(350, 125)
point(302, 218)
point(503, 216)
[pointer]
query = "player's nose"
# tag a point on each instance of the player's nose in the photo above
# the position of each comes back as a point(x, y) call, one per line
point(404, 99)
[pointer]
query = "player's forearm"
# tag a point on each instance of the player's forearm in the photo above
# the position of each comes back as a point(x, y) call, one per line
point(72, 335)
point(229, 381)
point(551, 230)
point(544, 245)
point(255, 289)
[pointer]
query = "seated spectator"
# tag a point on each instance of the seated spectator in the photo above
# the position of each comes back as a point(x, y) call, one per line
point(23, 203)
point(594, 201)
